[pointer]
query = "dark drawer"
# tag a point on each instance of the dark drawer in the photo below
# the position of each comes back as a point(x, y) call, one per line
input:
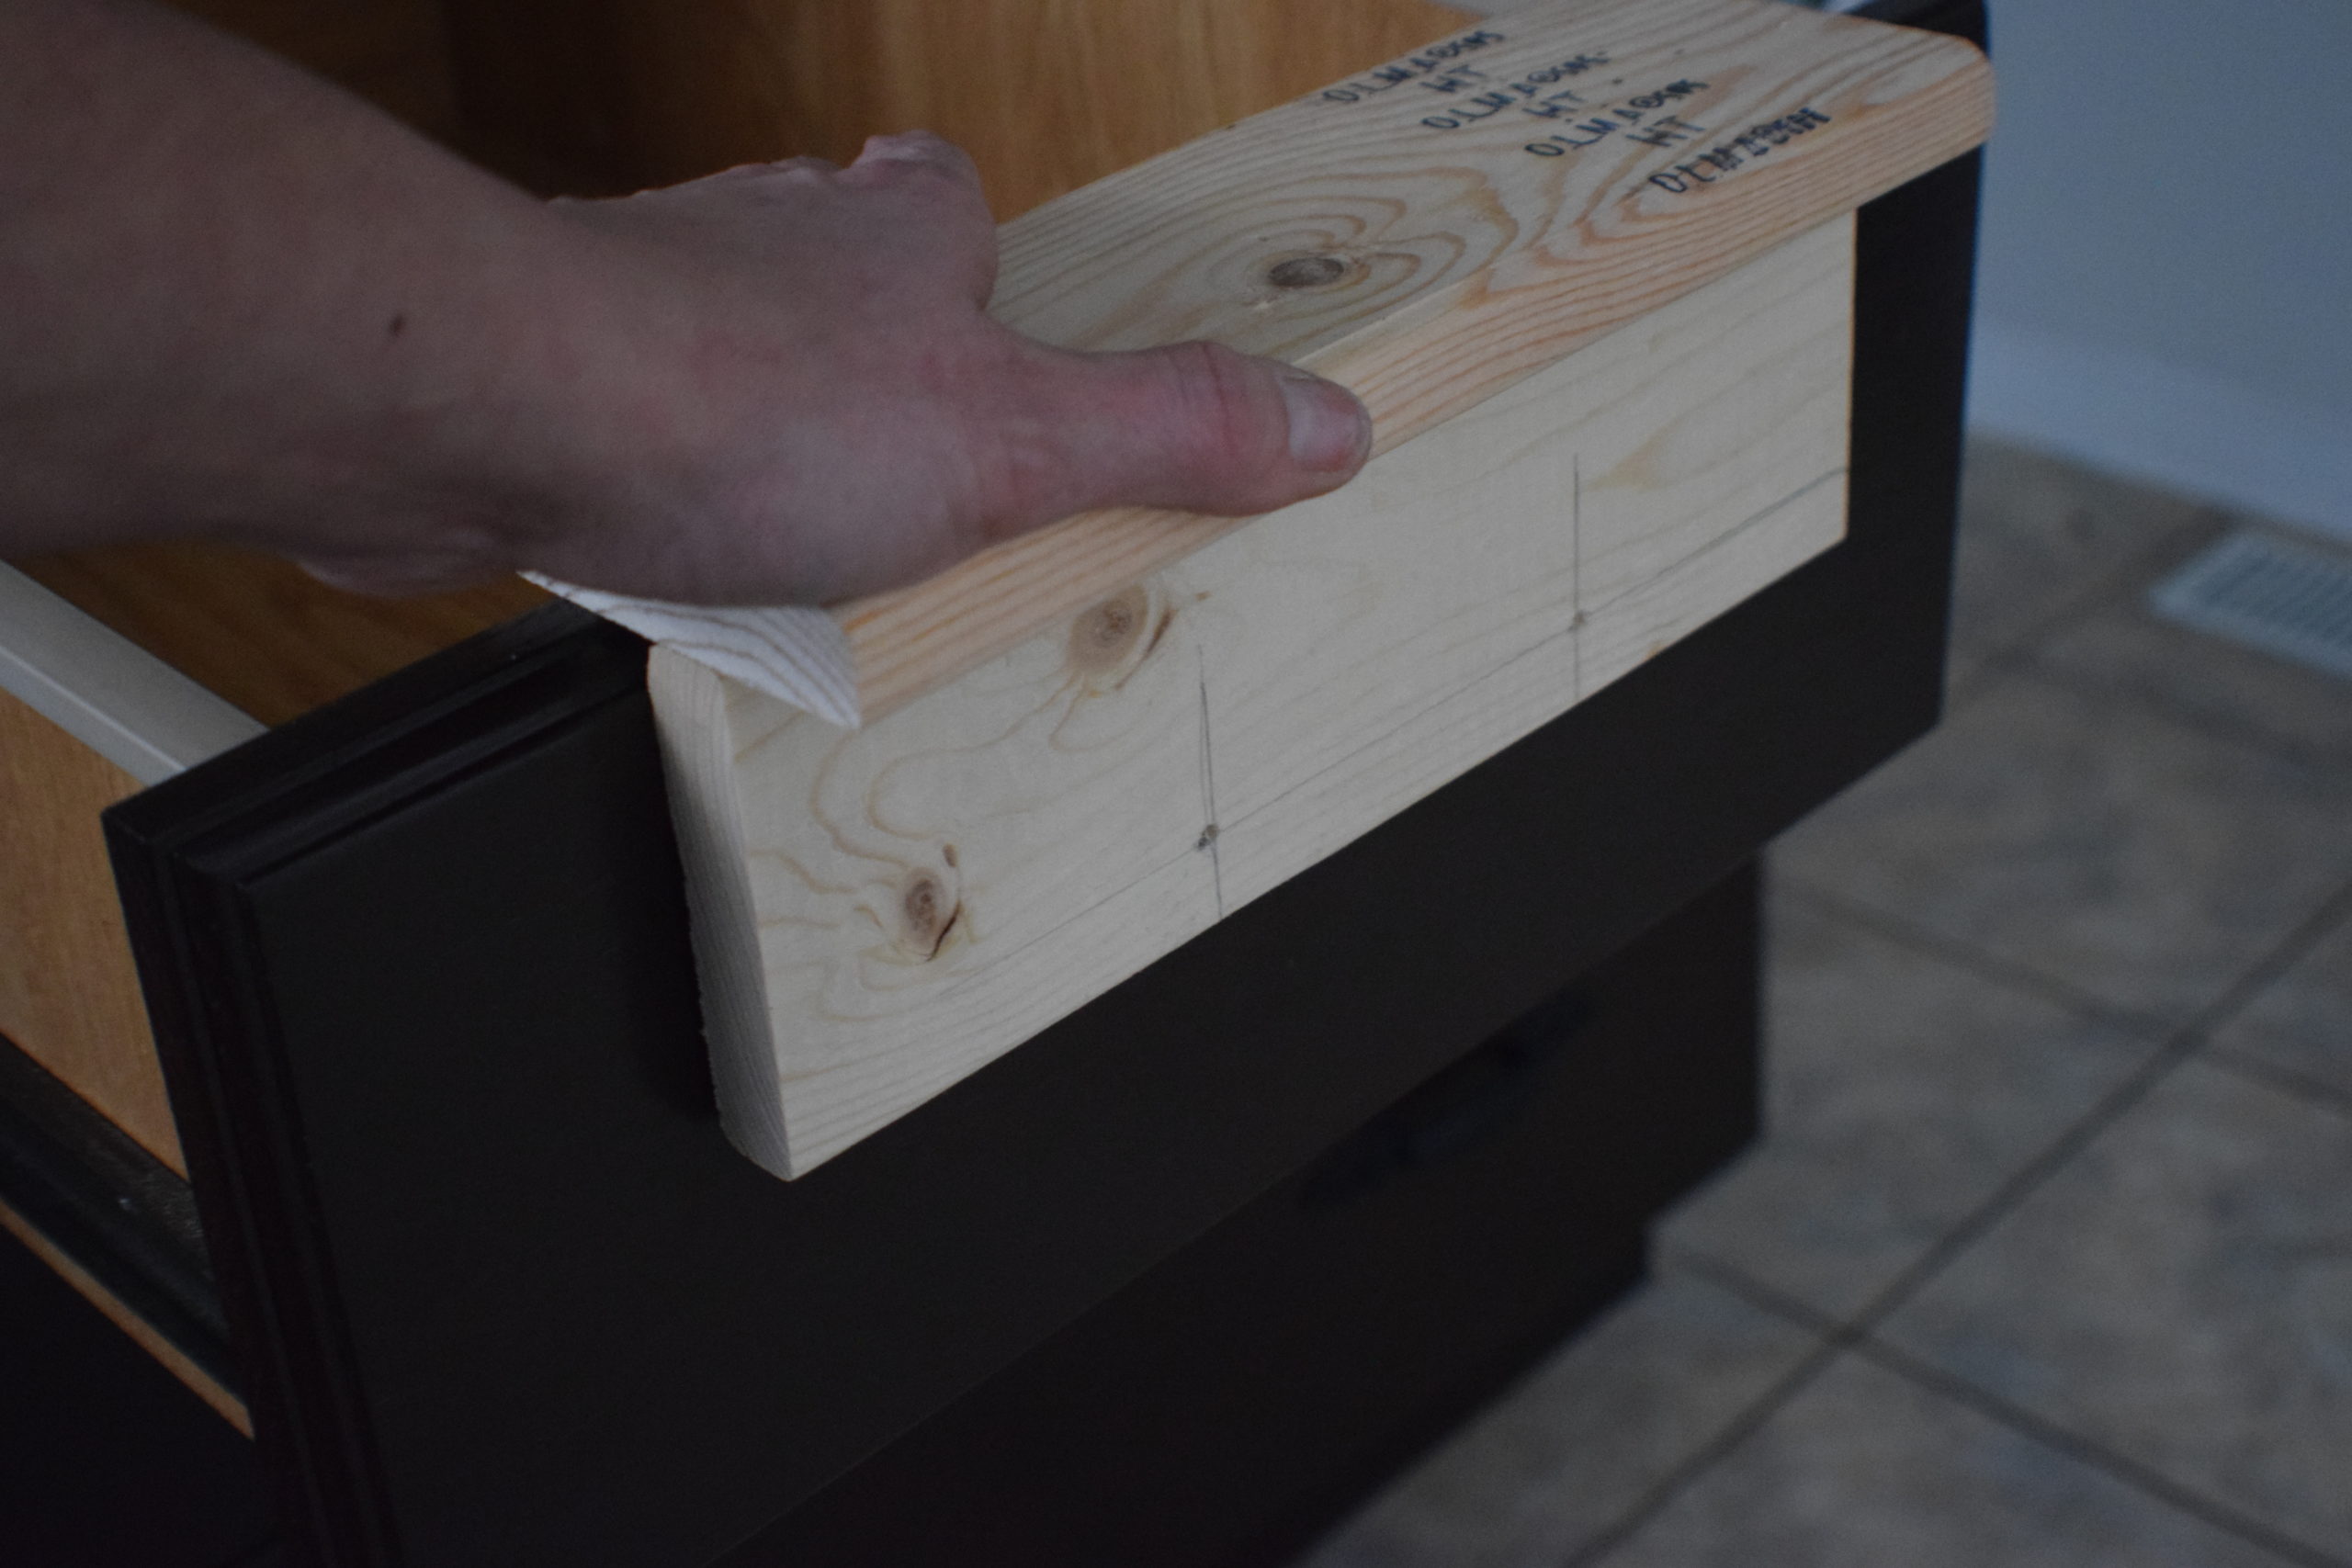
point(1220, 1410)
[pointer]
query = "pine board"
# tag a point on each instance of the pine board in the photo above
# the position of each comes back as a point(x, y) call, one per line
point(69, 994)
point(1461, 259)
point(880, 912)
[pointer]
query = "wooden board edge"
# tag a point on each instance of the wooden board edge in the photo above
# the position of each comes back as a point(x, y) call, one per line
point(227, 1405)
point(69, 991)
point(801, 1054)
point(911, 641)
point(691, 719)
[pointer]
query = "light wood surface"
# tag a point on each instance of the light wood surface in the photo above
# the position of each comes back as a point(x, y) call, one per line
point(880, 912)
point(260, 632)
point(1458, 261)
point(1046, 94)
point(69, 994)
point(227, 1405)
point(1499, 261)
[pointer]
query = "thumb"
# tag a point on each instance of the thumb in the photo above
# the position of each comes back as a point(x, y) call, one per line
point(1199, 427)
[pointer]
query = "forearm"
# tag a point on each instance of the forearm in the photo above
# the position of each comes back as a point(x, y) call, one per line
point(237, 303)
point(242, 304)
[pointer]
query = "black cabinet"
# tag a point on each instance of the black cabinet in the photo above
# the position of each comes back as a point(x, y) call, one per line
point(1175, 1283)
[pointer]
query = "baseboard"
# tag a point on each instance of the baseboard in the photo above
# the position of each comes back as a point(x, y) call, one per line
point(2134, 414)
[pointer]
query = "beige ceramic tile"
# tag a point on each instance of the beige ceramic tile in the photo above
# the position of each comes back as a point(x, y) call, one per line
point(2039, 535)
point(2135, 859)
point(1569, 1452)
point(1902, 1090)
point(2302, 1020)
point(2181, 1294)
point(2121, 650)
point(1865, 1470)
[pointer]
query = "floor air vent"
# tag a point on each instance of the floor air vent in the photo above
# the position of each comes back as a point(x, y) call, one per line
point(2269, 594)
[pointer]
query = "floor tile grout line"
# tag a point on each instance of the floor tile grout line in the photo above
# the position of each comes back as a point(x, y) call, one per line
point(1662, 1492)
point(2105, 588)
point(2015, 657)
point(1869, 1346)
point(2183, 1043)
point(2177, 1044)
point(2167, 710)
point(2029, 1178)
point(1728, 1275)
point(2313, 929)
point(2311, 1091)
point(2026, 652)
point(2085, 1451)
point(1929, 942)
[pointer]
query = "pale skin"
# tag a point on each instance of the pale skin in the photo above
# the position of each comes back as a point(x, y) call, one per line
point(238, 304)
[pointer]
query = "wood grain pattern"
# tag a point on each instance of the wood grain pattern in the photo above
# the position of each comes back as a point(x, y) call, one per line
point(69, 994)
point(261, 632)
point(273, 642)
point(879, 912)
point(1460, 261)
point(1046, 94)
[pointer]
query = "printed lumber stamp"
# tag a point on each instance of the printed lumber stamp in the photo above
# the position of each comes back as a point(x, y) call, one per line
point(1591, 267)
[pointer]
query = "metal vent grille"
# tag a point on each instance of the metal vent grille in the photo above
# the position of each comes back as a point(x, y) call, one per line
point(2267, 594)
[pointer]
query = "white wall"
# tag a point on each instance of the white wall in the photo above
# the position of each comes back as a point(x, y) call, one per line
point(2166, 283)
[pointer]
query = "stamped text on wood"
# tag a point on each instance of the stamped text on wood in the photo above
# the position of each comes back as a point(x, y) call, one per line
point(1430, 232)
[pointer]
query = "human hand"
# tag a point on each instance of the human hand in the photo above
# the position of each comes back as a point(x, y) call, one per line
point(241, 304)
point(816, 406)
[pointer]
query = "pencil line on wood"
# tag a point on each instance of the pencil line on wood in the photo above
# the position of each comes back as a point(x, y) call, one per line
point(1208, 788)
point(1576, 570)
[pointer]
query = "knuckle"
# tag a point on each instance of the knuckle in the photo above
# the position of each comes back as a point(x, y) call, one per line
point(797, 170)
point(1229, 417)
point(919, 160)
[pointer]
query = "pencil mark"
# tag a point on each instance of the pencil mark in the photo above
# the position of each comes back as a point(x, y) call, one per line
point(1208, 837)
point(1576, 570)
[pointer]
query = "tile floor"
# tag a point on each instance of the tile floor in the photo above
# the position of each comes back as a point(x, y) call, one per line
point(2047, 1258)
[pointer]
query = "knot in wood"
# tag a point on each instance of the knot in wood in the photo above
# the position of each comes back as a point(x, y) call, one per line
point(1102, 636)
point(929, 911)
point(1306, 272)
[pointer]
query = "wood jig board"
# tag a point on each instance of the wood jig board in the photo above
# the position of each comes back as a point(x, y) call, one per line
point(1590, 265)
